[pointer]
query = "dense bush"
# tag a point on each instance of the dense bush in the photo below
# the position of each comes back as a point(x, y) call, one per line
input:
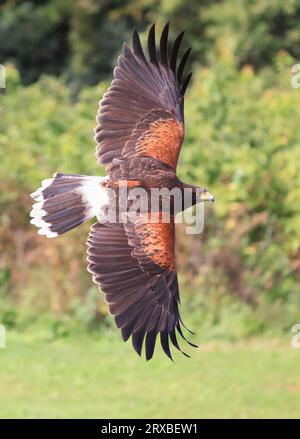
point(242, 142)
point(42, 131)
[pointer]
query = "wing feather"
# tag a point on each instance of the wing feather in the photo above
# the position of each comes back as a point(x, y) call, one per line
point(163, 46)
point(142, 295)
point(174, 52)
point(137, 46)
point(182, 64)
point(144, 104)
point(152, 46)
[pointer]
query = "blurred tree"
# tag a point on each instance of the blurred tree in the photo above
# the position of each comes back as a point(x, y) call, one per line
point(80, 38)
point(95, 40)
point(256, 30)
point(34, 36)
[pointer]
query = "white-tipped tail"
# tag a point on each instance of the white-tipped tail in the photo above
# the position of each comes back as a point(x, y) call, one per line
point(66, 201)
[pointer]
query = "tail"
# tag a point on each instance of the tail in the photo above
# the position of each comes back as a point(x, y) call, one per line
point(66, 201)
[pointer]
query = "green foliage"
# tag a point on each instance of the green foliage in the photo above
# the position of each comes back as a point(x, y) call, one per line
point(256, 30)
point(42, 131)
point(242, 143)
point(46, 130)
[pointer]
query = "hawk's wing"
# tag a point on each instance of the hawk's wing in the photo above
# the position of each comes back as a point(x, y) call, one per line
point(142, 112)
point(134, 266)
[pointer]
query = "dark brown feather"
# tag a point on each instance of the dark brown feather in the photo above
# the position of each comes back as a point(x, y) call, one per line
point(137, 46)
point(182, 64)
point(185, 84)
point(163, 46)
point(144, 304)
point(174, 52)
point(152, 46)
point(141, 89)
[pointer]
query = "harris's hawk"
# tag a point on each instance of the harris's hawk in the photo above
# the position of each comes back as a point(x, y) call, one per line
point(139, 135)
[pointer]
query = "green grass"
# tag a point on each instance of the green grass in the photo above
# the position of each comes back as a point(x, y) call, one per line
point(84, 377)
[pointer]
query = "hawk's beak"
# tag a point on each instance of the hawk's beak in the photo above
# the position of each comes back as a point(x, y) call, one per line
point(207, 196)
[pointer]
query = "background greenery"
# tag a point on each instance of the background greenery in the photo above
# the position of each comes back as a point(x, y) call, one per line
point(239, 279)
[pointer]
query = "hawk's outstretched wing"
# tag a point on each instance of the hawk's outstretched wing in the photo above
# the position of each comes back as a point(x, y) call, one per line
point(134, 266)
point(142, 112)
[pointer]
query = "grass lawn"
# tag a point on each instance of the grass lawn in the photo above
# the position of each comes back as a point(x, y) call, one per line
point(83, 377)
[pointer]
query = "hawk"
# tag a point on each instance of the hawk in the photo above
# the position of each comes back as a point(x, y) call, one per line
point(139, 133)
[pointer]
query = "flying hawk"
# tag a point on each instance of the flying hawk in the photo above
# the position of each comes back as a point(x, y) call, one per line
point(139, 135)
